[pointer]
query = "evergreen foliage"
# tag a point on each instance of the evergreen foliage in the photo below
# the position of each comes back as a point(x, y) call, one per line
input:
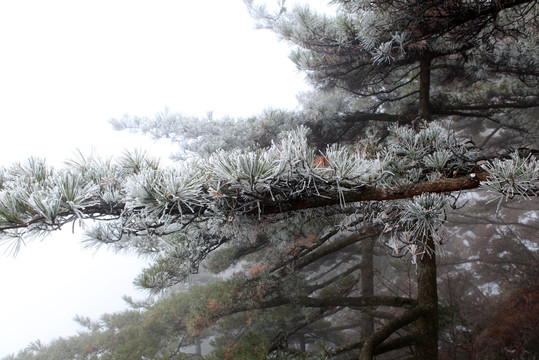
point(296, 209)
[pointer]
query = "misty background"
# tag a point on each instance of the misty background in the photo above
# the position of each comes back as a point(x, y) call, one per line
point(66, 69)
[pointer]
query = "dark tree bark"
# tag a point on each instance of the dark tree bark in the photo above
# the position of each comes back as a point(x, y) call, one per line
point(427, 287)
point(367, 285)
point(427, 298)
point(368, 193)
point(424, 88)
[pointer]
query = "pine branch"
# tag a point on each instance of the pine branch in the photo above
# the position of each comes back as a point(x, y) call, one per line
point(370, 345)
point(487, 107)
point(333, 247)
point(330, 301)
point(361, 116)
point(267, 207)
point(370, 193)
point(395, 344)
point(355, 301)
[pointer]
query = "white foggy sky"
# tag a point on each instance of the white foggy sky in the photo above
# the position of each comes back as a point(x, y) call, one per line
point(66, 68)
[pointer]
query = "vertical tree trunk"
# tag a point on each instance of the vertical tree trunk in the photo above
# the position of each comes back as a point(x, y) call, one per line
point(427, 297)
point(198, 345)
point(424, 88)
point(302, 346)
point(367, 285)
point(427, 290)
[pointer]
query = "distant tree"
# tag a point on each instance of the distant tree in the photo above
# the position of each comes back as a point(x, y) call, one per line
point(513, 333)
point(372, 155)
point(495, 254)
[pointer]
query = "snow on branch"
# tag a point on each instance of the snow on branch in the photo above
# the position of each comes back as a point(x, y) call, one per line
point(138, 198)
point(513, 176)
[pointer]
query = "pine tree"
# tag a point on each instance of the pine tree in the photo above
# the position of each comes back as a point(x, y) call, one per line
point(373, 154)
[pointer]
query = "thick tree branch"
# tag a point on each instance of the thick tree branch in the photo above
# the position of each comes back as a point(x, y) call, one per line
point(365, 193)
point(369, 193)
point(369, 347)
point(487, 107)
point(333, 247)
point(375, 344)
point(355, 301)
point(395, 344)
point(391, 301)
point(359, 116)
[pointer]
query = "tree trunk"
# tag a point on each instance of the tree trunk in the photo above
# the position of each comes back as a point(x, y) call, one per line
point(198, 346)
point(302, 345)
point(427, 290)
point(367, 285)
point(424, 88)
point(427, 297)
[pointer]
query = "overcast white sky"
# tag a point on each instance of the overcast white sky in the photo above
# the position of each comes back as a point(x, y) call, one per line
point(66, 68)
